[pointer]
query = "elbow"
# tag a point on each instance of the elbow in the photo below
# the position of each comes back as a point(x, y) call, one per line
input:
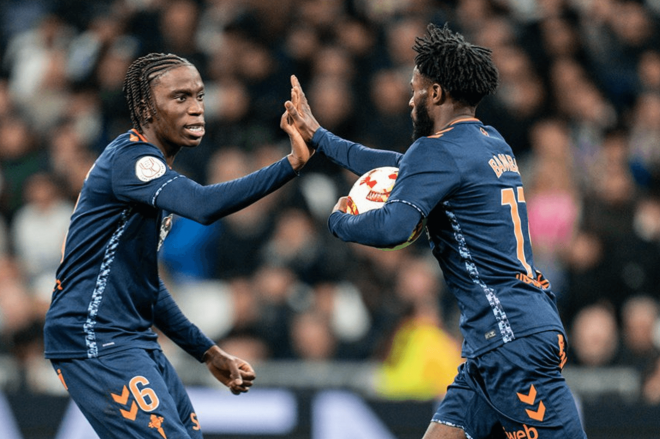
point(394, 237)
point(204, 220)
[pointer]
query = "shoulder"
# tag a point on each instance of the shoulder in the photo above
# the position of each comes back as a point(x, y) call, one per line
point(132, 147)
point(131, 152)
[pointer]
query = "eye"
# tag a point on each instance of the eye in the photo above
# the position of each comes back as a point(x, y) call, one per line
point(200, 97)
point(180, 98)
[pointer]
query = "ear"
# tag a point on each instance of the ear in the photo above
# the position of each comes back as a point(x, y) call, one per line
point(145, 111)
point(438, 94)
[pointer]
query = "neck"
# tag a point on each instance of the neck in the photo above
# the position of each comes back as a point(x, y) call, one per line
point(449, 115)
point(169, 151)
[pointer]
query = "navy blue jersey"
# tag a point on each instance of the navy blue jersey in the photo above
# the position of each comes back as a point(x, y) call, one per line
point(465, 181)
point(108, 294)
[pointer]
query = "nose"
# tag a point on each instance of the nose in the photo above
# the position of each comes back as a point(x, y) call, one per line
point(197, 107)
point(411, 104)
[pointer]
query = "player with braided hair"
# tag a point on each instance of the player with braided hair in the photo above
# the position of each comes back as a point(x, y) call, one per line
point(108, 294)
point(136, 84)
point(462, 177)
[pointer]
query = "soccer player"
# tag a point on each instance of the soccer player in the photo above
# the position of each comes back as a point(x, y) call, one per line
point(108, 295)
point(462, 177)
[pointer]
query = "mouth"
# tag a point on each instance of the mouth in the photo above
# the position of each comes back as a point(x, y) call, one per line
point(195, 130)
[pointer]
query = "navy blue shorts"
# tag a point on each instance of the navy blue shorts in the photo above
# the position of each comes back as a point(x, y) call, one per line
point(515, 391)
point(130, 394)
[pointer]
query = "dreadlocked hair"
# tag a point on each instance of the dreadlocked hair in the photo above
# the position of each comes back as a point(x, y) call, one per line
point(464, 70)
point(137, 84)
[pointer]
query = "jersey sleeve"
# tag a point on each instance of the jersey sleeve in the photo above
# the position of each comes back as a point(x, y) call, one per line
point(206, 204)
point(427, 174)
point(386, 227)
point(139, 172)
point(170, 319)
point(141, 175)
point(357, 158)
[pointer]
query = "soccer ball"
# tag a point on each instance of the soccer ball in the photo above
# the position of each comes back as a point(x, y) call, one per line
point(371, 191)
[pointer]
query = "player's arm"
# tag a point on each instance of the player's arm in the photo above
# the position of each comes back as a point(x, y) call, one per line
point(141, 174)
point(355, 157)
point(169, 318)
point(206, 204)
point(385, 227)
point(427, 173)
point(231, 371)
point(350, 155)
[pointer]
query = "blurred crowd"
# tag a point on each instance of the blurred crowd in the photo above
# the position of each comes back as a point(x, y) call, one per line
point(579, 103)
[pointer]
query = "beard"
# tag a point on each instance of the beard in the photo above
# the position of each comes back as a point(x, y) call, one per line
point(422, 124)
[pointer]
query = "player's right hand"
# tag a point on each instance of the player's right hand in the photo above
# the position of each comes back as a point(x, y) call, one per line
point(341, 206)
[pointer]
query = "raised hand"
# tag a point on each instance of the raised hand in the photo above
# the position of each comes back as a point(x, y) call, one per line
point(300, 151)
point(300, 112)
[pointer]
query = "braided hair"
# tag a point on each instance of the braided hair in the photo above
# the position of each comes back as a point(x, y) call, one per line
point(137, 84)
point(463, 70)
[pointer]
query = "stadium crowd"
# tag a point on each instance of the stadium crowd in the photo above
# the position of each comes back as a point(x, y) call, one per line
point(579, 102)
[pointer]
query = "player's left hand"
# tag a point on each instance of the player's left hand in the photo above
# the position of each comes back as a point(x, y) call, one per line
point(300, 151)
point(342, 205)
point(231, 371)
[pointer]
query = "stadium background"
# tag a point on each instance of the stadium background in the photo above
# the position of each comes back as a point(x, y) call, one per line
point(332, 328)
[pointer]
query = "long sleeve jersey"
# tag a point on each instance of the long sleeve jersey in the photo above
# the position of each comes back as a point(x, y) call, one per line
point(465, 181)
point(108, 294)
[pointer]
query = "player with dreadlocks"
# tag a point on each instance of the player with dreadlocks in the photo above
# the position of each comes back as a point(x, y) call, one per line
point(462, 177)
point(108, 294)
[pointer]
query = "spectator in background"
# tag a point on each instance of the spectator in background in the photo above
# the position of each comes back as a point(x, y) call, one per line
point(595, 339)
point(38, 231)
point(640, 317)
point(389, 123)
point(312, 338)
point(423, 356)
point(20, 157)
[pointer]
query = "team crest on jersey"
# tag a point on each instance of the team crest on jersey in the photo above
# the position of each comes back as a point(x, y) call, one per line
point(149, 168)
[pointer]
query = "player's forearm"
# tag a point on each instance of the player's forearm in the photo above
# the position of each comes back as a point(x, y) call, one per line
point(206, 204)
point(350, 155)
point(386, 227)
point(175, 325)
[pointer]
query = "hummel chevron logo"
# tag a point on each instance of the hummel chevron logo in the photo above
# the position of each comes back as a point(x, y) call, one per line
point(530, 399)
point(123, 400)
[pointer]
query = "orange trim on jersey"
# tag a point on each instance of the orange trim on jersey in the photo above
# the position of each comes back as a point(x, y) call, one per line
point(139, 136)
point(562, 352)
point(440, 133)
point(465, 119)
point(451, 126)
point(539, 282)
point(59, 374)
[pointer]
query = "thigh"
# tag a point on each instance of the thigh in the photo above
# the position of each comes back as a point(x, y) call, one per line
point(523, 383)
point(464, 413)
point(126, 395)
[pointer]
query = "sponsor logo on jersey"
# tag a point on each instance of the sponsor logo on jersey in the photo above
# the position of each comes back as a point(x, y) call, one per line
point(525, 433)
point(149, 168)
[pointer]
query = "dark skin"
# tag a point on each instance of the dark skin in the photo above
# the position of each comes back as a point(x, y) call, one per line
point(178, 95)
point(442, 111)
point(441, 108)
